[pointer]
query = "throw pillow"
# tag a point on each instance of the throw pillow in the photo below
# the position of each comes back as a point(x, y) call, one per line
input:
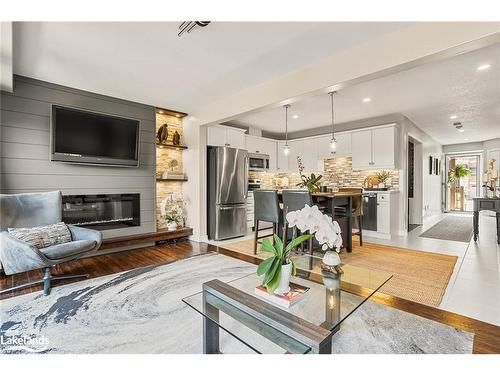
point(45, 236)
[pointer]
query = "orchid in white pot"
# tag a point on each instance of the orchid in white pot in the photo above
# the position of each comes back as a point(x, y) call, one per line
point(172, 210)
point(279, 268)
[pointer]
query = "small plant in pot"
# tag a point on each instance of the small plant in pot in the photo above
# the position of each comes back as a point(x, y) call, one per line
point(312, 183)
point(172, 210)
point(278, 269)
point(171, 220)
point(382, 177)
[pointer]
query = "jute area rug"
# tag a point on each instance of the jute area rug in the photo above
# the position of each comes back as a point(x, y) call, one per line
point(417, 275)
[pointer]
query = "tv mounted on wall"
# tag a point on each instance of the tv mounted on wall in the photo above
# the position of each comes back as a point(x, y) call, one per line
point(79, 136)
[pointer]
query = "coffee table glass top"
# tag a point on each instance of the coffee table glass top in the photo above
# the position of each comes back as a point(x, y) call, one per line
point(327, 303)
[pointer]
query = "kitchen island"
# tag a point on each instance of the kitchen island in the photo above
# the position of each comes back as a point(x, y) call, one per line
point(328, 201)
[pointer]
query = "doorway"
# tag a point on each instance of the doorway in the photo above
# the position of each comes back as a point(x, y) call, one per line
point(463, 173)
point(414, 184)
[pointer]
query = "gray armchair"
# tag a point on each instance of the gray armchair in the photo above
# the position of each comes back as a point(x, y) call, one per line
point(37, 209)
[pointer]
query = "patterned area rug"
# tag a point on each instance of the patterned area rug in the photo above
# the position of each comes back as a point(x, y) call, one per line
point(140, 311)
point(419, 276)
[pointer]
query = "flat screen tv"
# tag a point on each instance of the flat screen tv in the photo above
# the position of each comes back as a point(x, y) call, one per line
point(79, 136)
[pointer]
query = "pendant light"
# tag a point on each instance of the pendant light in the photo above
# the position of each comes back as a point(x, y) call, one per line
point(333, 141)
point(286, 148)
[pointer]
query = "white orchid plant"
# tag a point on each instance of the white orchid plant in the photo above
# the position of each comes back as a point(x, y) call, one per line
point(172, 208)
point(325, 230)
point(309, 219)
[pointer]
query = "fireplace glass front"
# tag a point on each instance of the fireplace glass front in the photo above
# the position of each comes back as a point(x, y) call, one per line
point(102, 211)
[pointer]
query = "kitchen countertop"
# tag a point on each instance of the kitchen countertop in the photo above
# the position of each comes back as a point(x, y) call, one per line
point(333, 195)
point(366, 191)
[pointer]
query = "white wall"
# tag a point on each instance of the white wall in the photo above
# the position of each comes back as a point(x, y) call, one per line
point(6, 77)
point(463, 147)
point(195, 167)
point(431, 184)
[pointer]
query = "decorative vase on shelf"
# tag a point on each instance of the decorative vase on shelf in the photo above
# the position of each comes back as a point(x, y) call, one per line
point(171, 225)
point(286, 274)
point(176, 139)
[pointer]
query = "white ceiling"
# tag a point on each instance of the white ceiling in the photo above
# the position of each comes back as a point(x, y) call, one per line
point(428, 95)
point(148, 63)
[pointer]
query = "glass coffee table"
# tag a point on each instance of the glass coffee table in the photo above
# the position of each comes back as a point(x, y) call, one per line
point(264, 327)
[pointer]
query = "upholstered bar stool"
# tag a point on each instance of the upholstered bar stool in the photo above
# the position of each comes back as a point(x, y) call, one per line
point(357, 210)
point(294, 200)
point(266, 208)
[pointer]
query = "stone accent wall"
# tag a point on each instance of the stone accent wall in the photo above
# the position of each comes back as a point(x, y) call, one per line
point(338, 173)
point(163, 158)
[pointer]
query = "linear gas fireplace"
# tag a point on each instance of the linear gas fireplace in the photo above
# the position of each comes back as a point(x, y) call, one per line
point(102, 211)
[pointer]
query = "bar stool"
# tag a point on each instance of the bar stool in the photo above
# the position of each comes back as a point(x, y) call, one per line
point(266, 208)
point(294, 200)
point(357, 210)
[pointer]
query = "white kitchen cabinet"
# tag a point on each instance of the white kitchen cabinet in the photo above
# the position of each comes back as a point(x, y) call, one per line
point(216, 136)
point(362, 149)
point(296, 149)
point(387, 214)
point(383, 145)
point(384, 217)
point(226, 136)
point(374, 148)
point(236, 138)
point(324, 147)
point(343, 146)
point(309, 154)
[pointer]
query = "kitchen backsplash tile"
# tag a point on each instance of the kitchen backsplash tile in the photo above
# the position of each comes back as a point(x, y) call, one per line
point(338, 173)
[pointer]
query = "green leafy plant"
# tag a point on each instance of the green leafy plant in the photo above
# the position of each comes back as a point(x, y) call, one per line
point(460, 171)
point(271, 267)
point(383, 176)
point(312, 182)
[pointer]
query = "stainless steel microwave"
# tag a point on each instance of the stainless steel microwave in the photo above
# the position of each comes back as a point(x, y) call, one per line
point(258, 162)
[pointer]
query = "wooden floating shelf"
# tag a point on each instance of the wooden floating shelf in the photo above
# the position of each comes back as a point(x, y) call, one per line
point(171, 146)
point(159, 235)
point(171, 179)
point(165, 111)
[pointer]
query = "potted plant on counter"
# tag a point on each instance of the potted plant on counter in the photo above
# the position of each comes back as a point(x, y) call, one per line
point(382, 177)
point(278, 269)
point(312, 183)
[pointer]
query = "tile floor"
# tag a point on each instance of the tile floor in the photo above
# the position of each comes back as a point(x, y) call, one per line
point(474, 287)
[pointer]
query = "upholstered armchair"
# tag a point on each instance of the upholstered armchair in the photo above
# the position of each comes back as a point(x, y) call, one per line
point(32, 210)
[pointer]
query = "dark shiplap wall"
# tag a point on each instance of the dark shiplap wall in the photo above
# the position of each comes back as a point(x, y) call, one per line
point(25, 160)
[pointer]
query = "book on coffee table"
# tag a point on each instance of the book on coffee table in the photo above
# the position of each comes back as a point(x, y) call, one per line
point(294, 295)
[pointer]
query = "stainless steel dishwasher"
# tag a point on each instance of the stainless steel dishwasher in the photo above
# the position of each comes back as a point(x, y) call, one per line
point(370, 211)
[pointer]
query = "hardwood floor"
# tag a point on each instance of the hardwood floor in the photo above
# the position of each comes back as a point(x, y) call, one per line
point(102, 265)
point(486, 339)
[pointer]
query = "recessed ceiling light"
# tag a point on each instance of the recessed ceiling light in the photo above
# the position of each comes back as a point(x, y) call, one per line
point(466, 139)
point(461, 130)
point(177, 115)
point(366, 100)
point(295, 116)
point(483, 67)
point(160, 112)
point(453, 117)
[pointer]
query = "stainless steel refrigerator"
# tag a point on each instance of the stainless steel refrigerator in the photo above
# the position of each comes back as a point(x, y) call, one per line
point(227, 192)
